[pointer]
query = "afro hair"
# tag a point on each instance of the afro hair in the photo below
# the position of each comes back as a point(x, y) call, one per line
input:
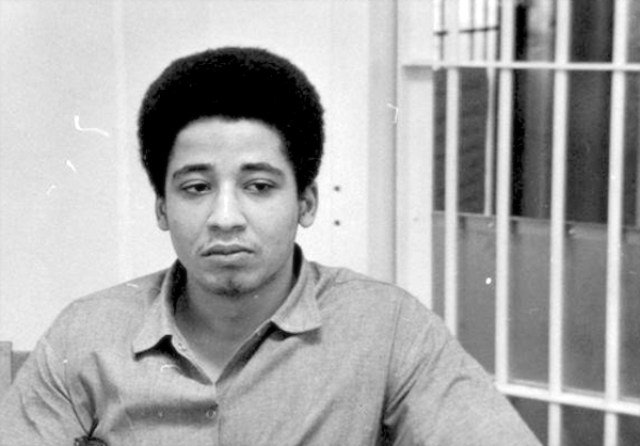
point(232, 83)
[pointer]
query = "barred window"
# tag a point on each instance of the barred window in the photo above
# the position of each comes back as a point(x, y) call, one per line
point(522, 119)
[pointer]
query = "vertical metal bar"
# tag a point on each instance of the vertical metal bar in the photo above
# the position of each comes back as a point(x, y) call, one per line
point(505, 118)
point(614, 253)
point(558, 221)
point(480, 21)
point(491, 42)
point(451, 172)
point(615, 220)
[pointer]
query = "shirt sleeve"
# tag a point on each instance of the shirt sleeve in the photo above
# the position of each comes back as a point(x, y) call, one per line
point(37, 408)
point(439, 395)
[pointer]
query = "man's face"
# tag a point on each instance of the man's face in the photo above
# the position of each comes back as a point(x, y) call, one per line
point(232, 207)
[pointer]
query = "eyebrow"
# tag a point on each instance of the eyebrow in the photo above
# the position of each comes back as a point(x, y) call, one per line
point(191, 168)
point(248, 167)
point(263, 167)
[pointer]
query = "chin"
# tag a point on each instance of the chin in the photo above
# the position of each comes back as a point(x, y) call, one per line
point(236, 283)
point(230, 290)
point(232, 287)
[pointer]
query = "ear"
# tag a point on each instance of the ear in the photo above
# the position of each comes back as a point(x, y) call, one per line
point(161, 214)
point(308, 206)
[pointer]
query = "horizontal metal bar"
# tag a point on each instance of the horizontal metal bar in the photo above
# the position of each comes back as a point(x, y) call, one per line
point(516, 65)
point(570, 399)
point(482, 29)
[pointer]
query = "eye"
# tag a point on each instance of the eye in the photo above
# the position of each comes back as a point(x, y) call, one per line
point(260, 187)
point(198, 188)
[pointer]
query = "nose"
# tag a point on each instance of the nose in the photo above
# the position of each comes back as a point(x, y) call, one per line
point(226, 213)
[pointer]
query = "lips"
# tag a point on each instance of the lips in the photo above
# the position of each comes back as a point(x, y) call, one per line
point(224, 249)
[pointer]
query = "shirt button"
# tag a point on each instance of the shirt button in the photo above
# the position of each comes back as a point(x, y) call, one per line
point(212, 412)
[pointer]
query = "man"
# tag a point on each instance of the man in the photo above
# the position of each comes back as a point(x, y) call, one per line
point(243, 341)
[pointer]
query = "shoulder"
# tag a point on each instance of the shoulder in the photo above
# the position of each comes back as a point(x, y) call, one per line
point(357, 296)
point(330, 280)
point(381, 319)
point(124, 297)
point(109, 313)
point(339, 283)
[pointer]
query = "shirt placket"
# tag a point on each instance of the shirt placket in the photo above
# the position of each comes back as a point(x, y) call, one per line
point(229, 378)
point(208, 412)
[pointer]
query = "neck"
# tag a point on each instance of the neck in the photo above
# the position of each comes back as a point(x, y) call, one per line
point(230, 318)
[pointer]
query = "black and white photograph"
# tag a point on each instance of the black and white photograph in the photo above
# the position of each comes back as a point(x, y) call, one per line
point(319, 222)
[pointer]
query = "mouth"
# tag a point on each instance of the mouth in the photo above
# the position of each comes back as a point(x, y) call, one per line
point(225, 250)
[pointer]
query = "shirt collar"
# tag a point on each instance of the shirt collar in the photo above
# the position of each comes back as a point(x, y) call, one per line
point(159, 322)
point(299, 312)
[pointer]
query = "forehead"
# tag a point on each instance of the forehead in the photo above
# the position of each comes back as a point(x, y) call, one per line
point(225, 142)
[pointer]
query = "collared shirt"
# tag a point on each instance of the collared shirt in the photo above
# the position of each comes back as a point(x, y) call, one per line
point(346, 360)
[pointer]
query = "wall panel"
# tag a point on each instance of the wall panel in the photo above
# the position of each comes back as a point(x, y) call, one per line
point(77, 210)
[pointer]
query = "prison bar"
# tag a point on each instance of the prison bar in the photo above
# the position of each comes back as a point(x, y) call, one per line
point(614, 221)
point(438, 64)
point(577, 398)
point(558, 224)
point(491, 42)
point(503, 199)
point(451, 173)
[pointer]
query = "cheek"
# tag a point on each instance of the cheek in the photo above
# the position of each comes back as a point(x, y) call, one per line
point(287, 232)
point(278, 224)
point(184, 224)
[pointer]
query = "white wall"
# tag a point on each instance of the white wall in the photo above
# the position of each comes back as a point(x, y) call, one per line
point(76, 211)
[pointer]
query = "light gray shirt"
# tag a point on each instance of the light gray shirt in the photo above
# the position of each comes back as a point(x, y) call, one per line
point(346, 360)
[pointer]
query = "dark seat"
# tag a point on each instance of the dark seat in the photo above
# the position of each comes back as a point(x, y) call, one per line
point(10, 363)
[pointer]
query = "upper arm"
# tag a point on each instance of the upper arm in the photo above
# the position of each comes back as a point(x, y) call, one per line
point(38, 408)
point(439, 395)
